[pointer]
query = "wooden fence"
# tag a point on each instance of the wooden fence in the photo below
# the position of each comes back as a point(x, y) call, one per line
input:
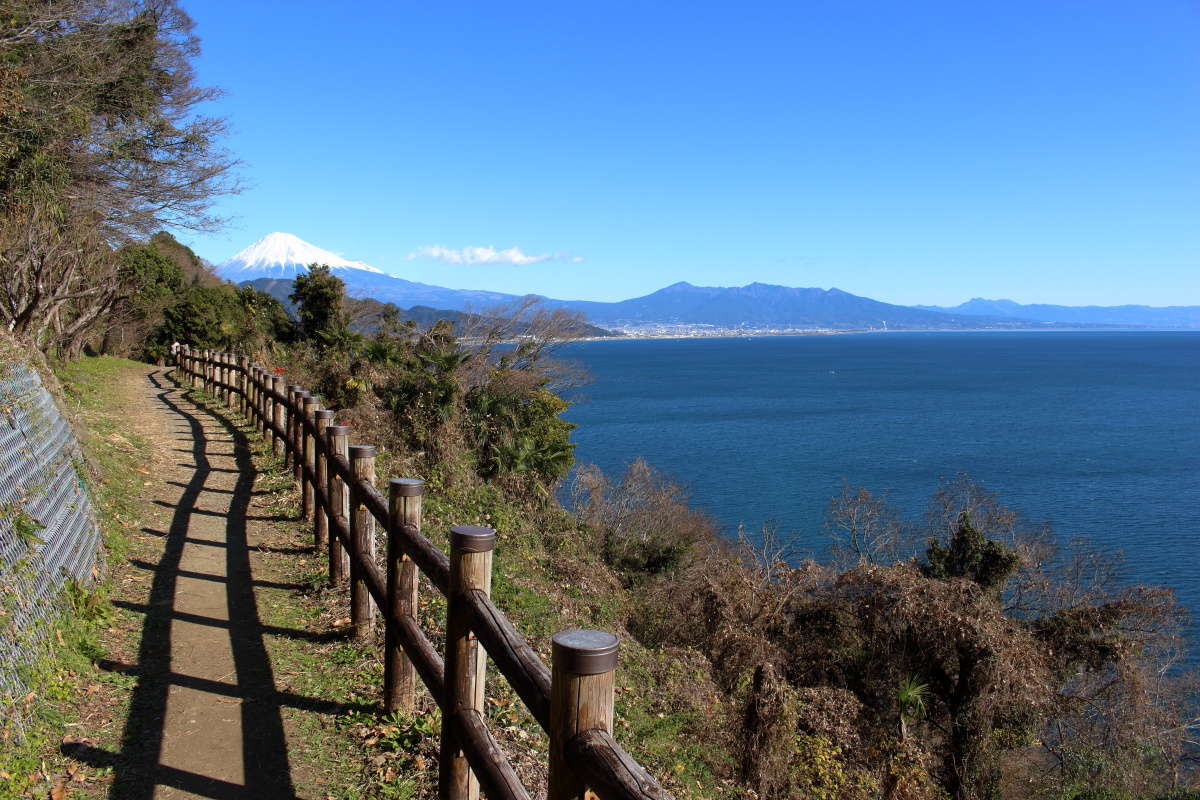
point(573, 701)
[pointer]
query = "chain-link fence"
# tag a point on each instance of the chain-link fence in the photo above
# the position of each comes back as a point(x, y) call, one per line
point(48, 532)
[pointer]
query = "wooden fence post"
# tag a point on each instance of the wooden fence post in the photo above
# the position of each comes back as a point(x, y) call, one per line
point(338, 437)
point(584, 664)
point(243, 382)
point(262, 383)
point(289, 438)
point(470, 568)
point(399, 676)
point(252, 396)
point(297, 429)
point(278, 417)
point(311, 404)
point(289, 392)
point(268, 409)
point(264, 401)
point(234, 381)
point(223, 361)
point(362, 531)
point(322, 419)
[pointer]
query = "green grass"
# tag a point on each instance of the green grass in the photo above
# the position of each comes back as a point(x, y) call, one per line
point(115, 456)
point(29, 757)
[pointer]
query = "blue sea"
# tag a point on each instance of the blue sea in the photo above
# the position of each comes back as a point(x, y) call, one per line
point(1097, 433)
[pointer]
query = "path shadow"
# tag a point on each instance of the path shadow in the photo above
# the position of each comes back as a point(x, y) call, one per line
point(264, 746)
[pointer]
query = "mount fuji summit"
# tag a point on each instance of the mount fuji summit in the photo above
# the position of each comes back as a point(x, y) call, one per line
point(283, 256)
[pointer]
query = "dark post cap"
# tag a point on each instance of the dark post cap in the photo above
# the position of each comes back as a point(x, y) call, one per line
point(337, 430)
point(303, 393)
point(325, 413)
point(294, 387)
point(362, 451)
point(472, 539)
point(407, 487)
point(310, 399)
point(584, 652)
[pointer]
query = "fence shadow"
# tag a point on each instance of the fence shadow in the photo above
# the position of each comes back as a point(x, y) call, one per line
point(265, 765)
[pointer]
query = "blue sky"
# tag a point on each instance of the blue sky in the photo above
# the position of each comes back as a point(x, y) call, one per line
point(914, 152)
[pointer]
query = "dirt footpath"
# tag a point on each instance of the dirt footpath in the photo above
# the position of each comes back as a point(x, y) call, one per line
point(205, 715)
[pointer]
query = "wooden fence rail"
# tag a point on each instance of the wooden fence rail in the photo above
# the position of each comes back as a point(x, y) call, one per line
point(573, 701)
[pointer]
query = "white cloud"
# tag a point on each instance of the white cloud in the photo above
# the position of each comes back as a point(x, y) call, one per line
point(486, 255)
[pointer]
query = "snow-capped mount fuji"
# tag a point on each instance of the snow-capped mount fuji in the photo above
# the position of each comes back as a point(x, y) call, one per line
point(284, 255)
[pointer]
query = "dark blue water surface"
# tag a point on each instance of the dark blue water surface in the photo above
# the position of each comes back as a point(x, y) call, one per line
point(1097, 433)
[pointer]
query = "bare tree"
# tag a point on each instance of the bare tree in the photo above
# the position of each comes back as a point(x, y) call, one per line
point(767, 555)
point(100, 143)
point(645, 523)
point(865, 529)
point(522, 337)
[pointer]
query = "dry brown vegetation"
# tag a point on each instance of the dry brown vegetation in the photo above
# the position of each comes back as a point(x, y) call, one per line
point(990, 656)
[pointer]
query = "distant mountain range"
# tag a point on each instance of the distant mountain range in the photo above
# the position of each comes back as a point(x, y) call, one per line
point(762, 305)
point(756, 306)
point(1133, 316)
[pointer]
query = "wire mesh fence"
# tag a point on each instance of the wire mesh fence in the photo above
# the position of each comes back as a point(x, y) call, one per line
point(48, 531)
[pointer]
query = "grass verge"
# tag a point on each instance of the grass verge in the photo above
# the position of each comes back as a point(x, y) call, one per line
point(64, 681)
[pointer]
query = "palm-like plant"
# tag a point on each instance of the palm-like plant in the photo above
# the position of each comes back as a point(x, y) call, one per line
point(911, 698)
point(447, 361)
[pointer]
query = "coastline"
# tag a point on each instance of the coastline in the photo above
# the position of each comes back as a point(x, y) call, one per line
point(766, 333)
